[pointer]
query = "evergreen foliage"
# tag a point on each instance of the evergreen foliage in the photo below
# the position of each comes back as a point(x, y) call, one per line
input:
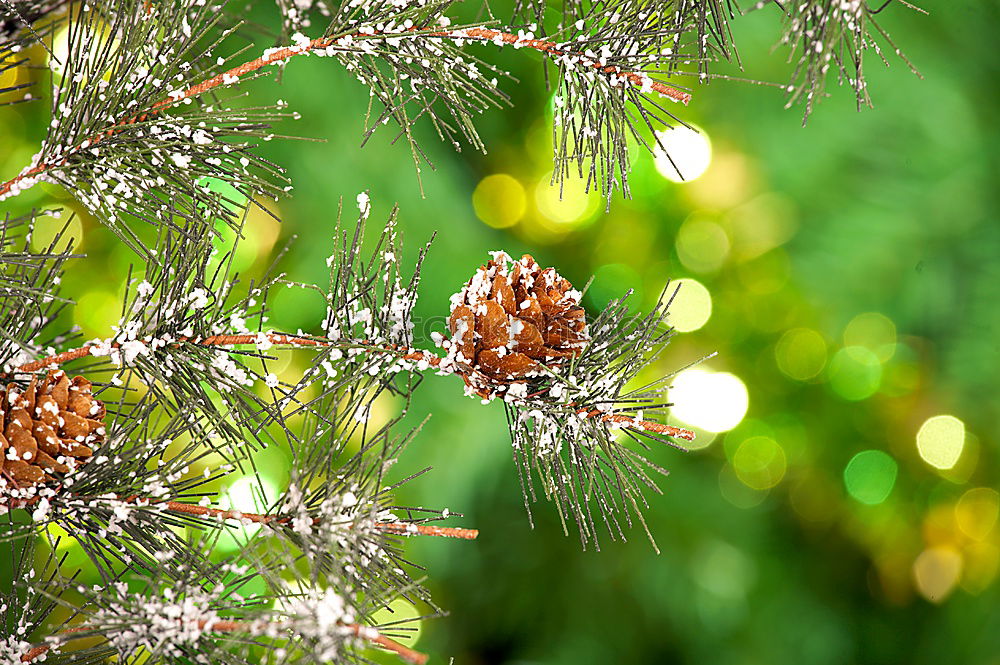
point(147, 132)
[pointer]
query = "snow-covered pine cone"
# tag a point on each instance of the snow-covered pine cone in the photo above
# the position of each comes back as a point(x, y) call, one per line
point(48, 428)
point(511, 319)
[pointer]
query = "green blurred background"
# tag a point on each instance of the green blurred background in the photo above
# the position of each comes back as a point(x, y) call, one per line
point(840, 505)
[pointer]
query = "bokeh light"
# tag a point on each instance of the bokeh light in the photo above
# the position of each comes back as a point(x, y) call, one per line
point(940, 441)
point(936, 572)
point(691, 307)
point(688, 153)
point(760, 462)
point(723, 570)
point(980, 564)
point(404, 614)
point(855, 373)
point(569, 203)
point(58, 535)
point(96, 44)
point(977, 511)
point(244, 495)
point(712, 401)
point(761, 224)
point(736, 492)
point(801, 353)
point(66, 224)
point(499, 200)
point(873, 331)
point(727, 184)
point(12, 76)
point(702, 244)
point(96, 311)
point(870, 476)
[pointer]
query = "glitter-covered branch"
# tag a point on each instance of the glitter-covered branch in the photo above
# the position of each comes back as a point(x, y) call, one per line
point(37, 653)
point(139, 450)
point(418, 357)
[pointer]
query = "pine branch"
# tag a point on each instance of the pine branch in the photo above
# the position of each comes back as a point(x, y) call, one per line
point(29, 279)
point(202, 613)
point(825, 35)
point(228, 627)
point(416, 358)
point(125, 151)
point(198, 510)
point(53, 159)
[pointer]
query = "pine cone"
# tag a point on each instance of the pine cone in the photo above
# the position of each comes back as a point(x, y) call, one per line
point(509, 321)
point(48, 428)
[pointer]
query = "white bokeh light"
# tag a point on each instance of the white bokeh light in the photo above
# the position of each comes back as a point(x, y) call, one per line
point(244, 496)
point(712, 401)
point(941, 440)
point(689, 150)
point(691, 307)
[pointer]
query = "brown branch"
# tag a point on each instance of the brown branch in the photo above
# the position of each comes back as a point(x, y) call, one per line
point(229, 626)
point(647, 425)
point(390, 527)
point(275, 56)
point(552, 48)
point(226, 340)
point(43, 649)
point(415, 355)
point(402, 528)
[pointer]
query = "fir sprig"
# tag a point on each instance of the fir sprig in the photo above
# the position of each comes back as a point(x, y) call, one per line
point(571, 428)
point(139, 134)
point(129, 504)
point(29, 283)
point(127, 136)
point(833, 35)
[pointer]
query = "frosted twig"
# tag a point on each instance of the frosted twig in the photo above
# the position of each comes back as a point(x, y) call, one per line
point(364, 632)
point(414, 355)
point(274, 56)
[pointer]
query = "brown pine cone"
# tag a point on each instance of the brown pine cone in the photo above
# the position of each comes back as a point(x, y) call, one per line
point(48, 428)
point(510, 320)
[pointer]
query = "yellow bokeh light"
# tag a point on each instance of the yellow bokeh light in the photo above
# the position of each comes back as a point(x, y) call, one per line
point(940, 441)
point(725, 185)
point(261, 228)
point(760, 225)
point(936, 572)
point(980, 563)
point(244, 495)
point(56, 533)
point(95, 46)
point(404, 617)
point(801, 353)
point(499, 200)
point(691, 307)
point(760, 462)
point(96, 311)
point(712, 401)
point(702, 244)
point(569, 203)
point(13, 76)
point(977, 511)
point(873, 331)
point(854, 373)
point(688, 153)
point(67, 225)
